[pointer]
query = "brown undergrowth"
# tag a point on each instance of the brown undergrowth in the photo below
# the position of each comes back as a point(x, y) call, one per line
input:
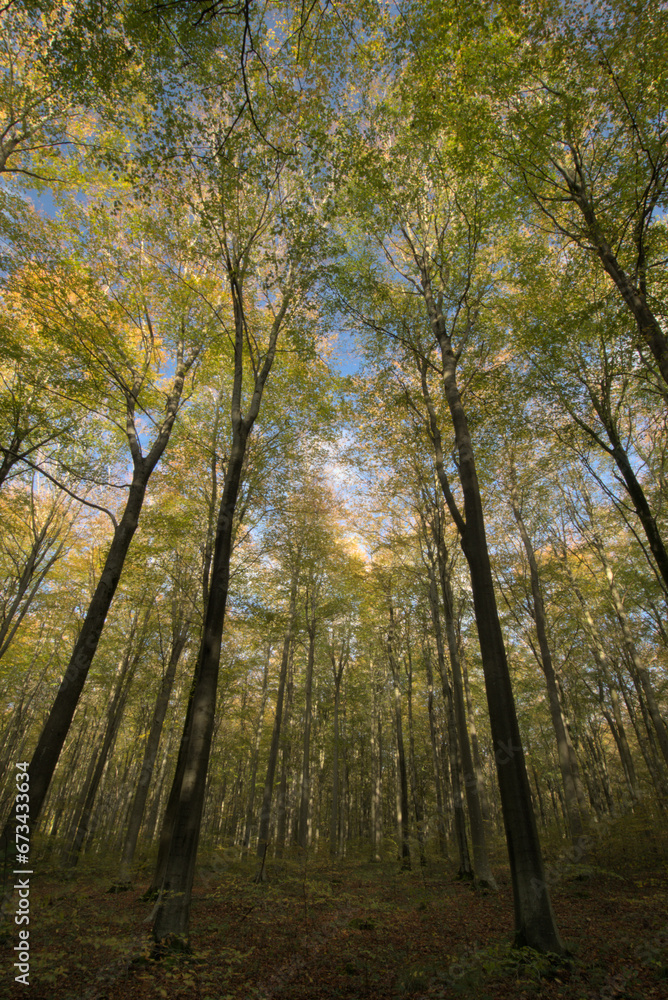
point(319, 930)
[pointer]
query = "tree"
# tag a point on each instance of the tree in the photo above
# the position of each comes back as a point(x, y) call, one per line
point(433, 249)
point(264, 276)
point(112, 338)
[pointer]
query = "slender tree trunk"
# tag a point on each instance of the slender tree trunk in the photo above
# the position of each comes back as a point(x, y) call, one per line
point(418, 793)
point(433, 733)
point(645, 740)
point(250, 807)
point(148, 830)
point(475, 747)
point(401, 756)
point(640, 503)
point(377, 773)
point(639, 670)
point(82, 788)
point(558, 723)
point(536, 781)
point(334, 814)
point(614, 720)
point(344, 796)
point(482, 868)
point(126, 672)
point(337, 673)
point(465, 868)
point(286, 757)
point(265, 809)
point(42, 556)
point(150, 754)
point(602, 764)
point(306, 753)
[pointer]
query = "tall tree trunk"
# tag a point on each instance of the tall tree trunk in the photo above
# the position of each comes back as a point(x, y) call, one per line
point(306, 751)
point(535, 924)
point(286, 757)
point(558, 723)
point(337, 671)
point(602, 764)
point(473, 733)
point(418, 792)
point(344, 786)
point(536, 781)
point(639, 669)
point(377, 772)
point(151, 752)
point(433, 734)
point(401, 755)
point(82, 788)
point(265, 809)
point(148, 830)
point(250, 805)
point(169, 817)
point(646, 739)
point(126, 672)
point(57, 725)
point(614, 720)
point(172, 920)
point(173, 913)
point(465, 868)
point(482, 868)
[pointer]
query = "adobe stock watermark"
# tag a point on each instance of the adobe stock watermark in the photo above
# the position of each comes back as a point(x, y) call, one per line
point(505, 752)
point(22, 884)
point(555, 872)
point(297, 966)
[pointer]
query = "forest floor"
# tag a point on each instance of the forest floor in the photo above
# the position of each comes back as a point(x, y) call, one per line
point(319, 930)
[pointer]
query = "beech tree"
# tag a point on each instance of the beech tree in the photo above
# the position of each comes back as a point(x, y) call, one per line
point(266, 275)
point(112, 338)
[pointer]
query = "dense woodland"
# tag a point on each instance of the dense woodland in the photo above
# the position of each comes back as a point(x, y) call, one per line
point(333, 448)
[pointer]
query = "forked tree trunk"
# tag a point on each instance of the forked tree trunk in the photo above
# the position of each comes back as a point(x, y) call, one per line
point(649, 327)
point(57, 725)
point(172, 920)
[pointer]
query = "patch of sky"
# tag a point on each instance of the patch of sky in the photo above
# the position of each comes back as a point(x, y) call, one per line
point(344, 358)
